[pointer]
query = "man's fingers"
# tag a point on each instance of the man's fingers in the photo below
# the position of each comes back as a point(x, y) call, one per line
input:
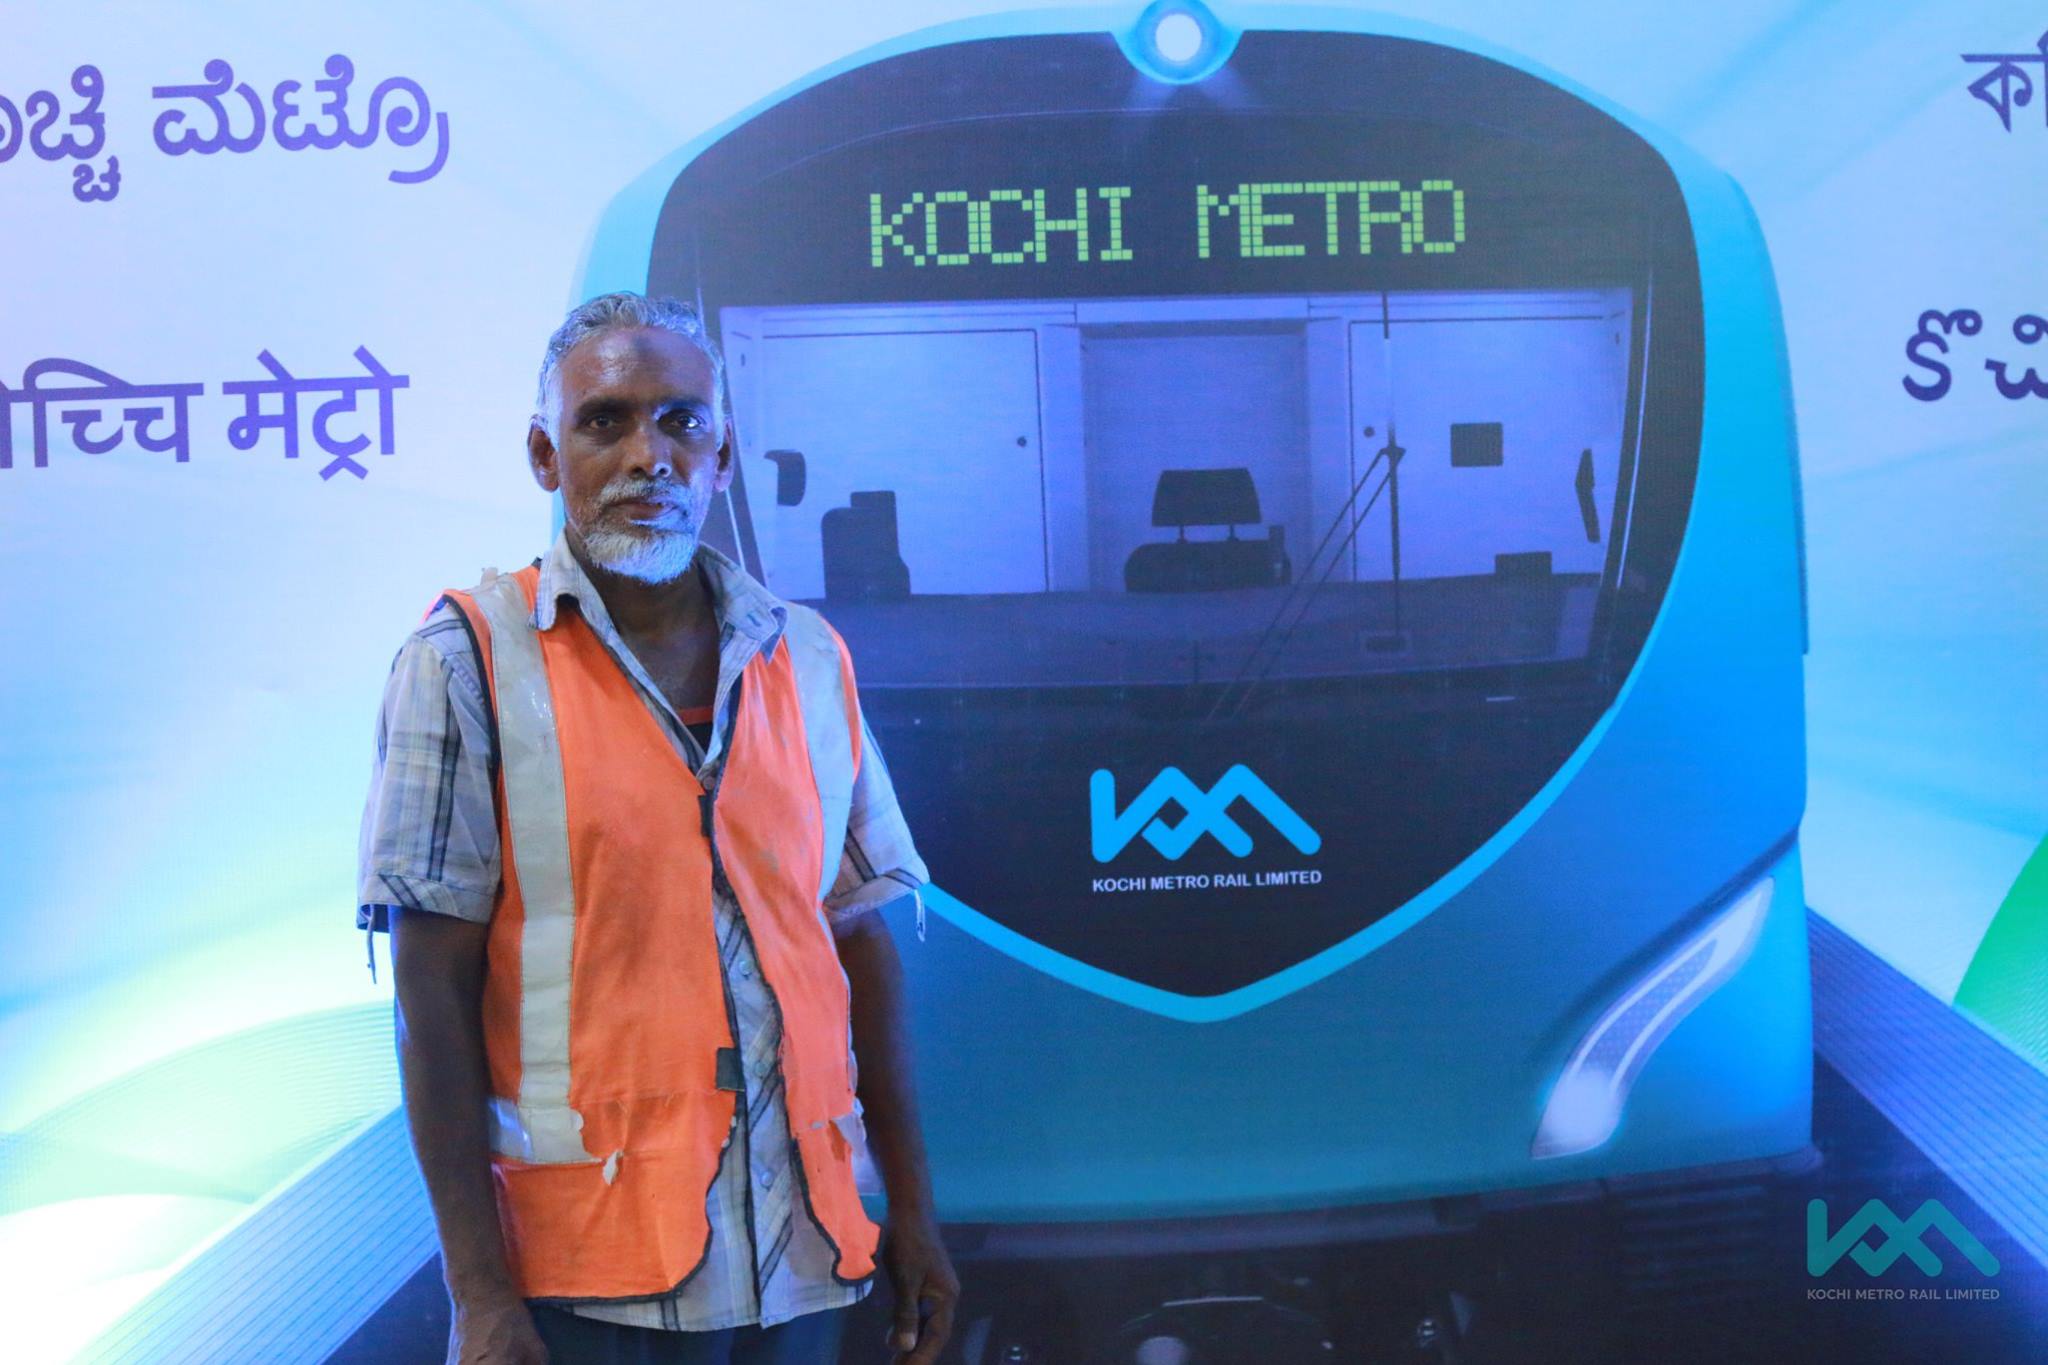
point(937, 1328)
point(904, 1335)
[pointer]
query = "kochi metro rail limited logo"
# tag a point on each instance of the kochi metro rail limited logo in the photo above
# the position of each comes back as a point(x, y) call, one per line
point(1902, 1237)
point(1205, 812)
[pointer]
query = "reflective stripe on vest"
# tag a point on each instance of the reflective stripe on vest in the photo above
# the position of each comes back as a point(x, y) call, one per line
point(825, 685)
point(603, 1003)
point(541, 1126)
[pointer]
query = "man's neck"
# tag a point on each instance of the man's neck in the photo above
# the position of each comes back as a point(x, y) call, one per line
point(649, 611)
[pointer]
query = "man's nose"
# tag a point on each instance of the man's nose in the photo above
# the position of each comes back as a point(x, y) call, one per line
point(648, 453)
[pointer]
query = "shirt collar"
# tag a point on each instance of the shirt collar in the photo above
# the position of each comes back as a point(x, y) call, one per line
point(737, 598)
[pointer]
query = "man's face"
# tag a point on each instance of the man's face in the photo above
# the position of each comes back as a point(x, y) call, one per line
point(640, 449)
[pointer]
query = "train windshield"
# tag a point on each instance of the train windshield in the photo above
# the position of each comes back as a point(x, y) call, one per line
point(1319, 436)
point(1185, 398)
point(1157, 491)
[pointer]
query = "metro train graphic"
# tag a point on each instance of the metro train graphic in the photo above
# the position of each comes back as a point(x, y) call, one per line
point(1314, 509)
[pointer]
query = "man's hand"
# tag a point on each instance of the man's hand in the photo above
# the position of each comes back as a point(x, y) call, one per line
point(926, 1289)
point(919, 1269)
point(496, 1333)
point(439, 965)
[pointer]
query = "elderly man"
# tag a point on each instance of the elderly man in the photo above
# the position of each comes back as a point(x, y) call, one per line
point(630, 835)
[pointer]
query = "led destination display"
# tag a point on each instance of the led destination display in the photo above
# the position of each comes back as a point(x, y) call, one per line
point(1110, 206)
point(1254, 220)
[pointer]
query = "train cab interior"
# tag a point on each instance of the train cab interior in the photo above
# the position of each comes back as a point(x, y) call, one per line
point(1163, 491)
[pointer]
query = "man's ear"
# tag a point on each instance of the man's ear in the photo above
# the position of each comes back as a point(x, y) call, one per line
point(542, 457)
point(728, 455)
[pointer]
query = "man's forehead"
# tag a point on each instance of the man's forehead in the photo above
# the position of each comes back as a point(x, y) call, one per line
point(637, 357)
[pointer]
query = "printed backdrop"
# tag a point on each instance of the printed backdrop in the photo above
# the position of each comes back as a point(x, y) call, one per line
point(198, 620)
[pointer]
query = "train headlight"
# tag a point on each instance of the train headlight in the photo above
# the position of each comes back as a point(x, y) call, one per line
point(1586, 1102)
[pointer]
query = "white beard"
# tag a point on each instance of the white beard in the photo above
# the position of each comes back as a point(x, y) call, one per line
point(648, 554)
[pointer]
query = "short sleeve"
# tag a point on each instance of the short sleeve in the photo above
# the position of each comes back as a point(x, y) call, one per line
point(879, 862)
point(429, 838)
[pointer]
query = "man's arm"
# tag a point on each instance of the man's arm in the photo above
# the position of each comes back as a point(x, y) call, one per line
point(428, 870)
point(878, 862)
point(916, 1258)
point(888, 1095)
point(438, 966)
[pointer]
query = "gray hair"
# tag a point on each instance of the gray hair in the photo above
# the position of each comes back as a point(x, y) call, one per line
point(608, 312)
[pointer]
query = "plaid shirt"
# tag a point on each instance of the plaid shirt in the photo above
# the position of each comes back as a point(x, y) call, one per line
point(430, 842)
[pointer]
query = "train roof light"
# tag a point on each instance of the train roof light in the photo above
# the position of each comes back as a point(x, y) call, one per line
point(1178, 38)
point(1178, 41)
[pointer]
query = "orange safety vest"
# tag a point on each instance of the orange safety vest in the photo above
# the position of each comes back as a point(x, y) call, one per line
point(604, 1006)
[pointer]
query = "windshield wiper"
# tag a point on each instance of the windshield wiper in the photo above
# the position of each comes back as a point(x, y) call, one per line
point(1391, 454)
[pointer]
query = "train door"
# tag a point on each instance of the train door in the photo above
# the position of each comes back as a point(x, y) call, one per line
point(1508, 412)
point(908, 459)
point(1503, 416)
point(1162, 400)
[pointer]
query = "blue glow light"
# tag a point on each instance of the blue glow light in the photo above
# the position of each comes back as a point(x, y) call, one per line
point(1177, 41)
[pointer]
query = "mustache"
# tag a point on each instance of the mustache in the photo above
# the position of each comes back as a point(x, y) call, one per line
point(667, 494)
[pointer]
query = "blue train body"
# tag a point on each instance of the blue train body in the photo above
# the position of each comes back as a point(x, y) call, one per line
point(1421, 1052)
